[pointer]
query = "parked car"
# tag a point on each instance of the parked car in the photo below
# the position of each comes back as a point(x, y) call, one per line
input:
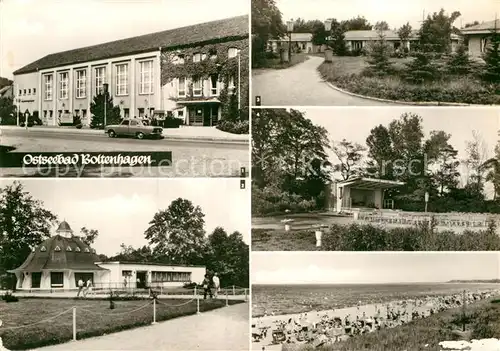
point(133, 127)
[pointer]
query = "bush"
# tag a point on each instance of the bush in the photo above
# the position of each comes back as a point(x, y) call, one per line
point(8, 297)
point(271, 200)
point(172, 122)
point(190, 285)
point(238, 127)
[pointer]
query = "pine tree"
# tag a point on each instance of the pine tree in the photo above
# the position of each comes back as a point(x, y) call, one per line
point(339, 45)
point(421, 69)
point(97, 110)
point(492, 58)
point(459, 62)
point(379, 56)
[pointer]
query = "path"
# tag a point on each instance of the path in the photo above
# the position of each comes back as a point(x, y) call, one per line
point(222, 329)
point(301, 85)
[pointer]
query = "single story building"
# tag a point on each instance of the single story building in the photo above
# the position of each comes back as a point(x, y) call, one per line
point(478, 37)
point(58, 263)
point(359, 193)
point(300, 42)
point(362, 39)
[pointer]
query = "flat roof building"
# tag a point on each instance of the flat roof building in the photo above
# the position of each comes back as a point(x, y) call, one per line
point(187, 72)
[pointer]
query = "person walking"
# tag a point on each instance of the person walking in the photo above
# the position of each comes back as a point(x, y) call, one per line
point(216, 282)
point(80, 287)
point(88, 287)
point(207, 285)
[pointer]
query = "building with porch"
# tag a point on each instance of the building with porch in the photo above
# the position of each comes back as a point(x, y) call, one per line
point(210, 63)
point(58, 263)
point(301, 42)
point(478, 37)
point(361, 193)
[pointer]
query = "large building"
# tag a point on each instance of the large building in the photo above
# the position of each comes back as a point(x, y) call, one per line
point(189, 72)
point(61, 261)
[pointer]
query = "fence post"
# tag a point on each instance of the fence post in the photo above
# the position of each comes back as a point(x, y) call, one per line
point(74, 323)
point(197, 305)
point(227, 300)
point(154, 311)
point(234, 293)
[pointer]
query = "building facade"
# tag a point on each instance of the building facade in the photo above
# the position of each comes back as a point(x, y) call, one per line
point(61, 86)
point(61, 261)
point(478, 37)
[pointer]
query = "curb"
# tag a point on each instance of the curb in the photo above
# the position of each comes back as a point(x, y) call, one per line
point(166, 137)
point(400, 102)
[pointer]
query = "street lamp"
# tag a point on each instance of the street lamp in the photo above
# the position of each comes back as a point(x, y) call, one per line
point(105, 92)
point(328, 51)
point(289, 27)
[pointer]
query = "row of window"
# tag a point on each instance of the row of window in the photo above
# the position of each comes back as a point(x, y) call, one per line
point(159, 277)
point(24, 92)
point(77, 249)
point(199, 56)
point(198, 86)
point(121, 81)
point(83, 113)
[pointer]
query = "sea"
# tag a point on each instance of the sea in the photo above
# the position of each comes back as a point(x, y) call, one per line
point(285, 299)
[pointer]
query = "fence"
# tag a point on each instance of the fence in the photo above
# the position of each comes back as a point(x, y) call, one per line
point(154, 303)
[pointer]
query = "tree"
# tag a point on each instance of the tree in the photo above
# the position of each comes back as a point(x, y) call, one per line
point(422, 68)
point(471, 24)
point(492, 58)
point(228, 256)
point(379, 56)
point(349, 154)
point(266, 24)
point(356, 23)
point(381, 25)
point(177, 234)
point(7, 111)
point(24, 223)
point(404, 34)
point(476, 157)
point(339, 46)
point(89, 235)
point(459, 62)
point(97, 110)
point(493, 175)
point(380, 153)
point(131, 254)
point(435, 32)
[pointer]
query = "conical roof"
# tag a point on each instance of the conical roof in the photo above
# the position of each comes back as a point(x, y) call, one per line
point(59, 253)
point(64, 227)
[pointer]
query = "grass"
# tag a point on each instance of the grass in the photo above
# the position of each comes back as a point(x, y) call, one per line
point(367, 237)
point(93, 318)
point(276, 64)
point(346, 73)
point(423, 334)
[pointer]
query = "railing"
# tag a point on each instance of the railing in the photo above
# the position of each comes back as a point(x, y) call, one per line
point(465, 220)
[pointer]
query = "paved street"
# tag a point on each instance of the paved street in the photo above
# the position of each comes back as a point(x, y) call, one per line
point(191, 158)
point(301, 85)
point(226, 328)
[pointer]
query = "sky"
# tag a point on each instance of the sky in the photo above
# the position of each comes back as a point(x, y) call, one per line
point(372, 267)
point(394, 12)
point(31, 29)
point(120, 209)
point(354, 124)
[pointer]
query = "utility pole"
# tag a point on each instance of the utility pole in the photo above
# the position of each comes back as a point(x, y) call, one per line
point(463, 312)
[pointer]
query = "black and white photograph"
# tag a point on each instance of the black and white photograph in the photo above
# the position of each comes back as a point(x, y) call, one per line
point(124, 264)
point(375, 179)
point(164, 78)
point(376, 53)
point(375, 301)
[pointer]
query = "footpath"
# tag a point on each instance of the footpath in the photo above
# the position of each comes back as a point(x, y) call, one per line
point(182, 133)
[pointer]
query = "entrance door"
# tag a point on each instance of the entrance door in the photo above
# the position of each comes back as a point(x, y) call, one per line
point(206, 116)
point(196, 116)
point(36, 278)
point(141, 280)
point(56, 279)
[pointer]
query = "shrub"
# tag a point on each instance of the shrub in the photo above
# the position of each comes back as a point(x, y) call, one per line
point(238, 127)
point(8, 297)
point(172, 122)
point(189, 285)
point(272, 200)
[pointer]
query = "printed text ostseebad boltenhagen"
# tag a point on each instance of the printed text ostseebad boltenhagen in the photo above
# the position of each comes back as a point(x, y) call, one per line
point(87, 159)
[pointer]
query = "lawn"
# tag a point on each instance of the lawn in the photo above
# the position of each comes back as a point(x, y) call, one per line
point(424, 334)
point(53, 318)
point(346, 73)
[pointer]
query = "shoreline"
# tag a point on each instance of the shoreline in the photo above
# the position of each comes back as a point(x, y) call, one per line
point(385, 301)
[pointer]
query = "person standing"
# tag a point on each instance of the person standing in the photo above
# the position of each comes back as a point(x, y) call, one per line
point(207, 284)
point(80, 287)
point(216, 281)
point(88, 287)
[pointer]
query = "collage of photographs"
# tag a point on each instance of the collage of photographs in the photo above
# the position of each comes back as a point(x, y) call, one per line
point(265, 175)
